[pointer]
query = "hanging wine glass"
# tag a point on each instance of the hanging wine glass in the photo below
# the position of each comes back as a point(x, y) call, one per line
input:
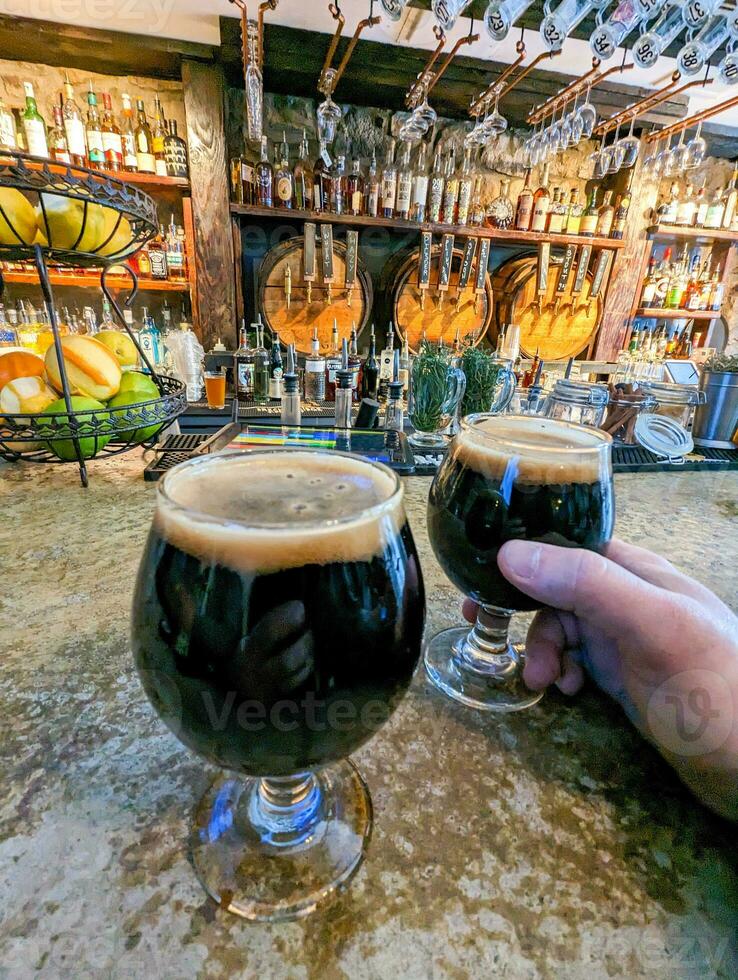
point(617, 153)
point(600, 159)
point(424, 115)
point(631, 145)
point(680, 154)
point(649, 163)
point(329, 115)
point(565, 129)
point(587, 116)
point(664, 160)
point(494, 124)
point(696, 149)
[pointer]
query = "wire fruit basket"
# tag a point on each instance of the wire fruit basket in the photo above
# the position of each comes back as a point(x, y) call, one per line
point(60, 215)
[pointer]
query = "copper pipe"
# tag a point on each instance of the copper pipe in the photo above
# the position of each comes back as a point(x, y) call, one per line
point(367, 22)
point(425, 73)
point(266, 5)
point(691, 120)
point(341, 20)
point(469, 39)
point(483, 98)
point(526, 71)
point(650, 102)
point(575, 88)
point(541, 111)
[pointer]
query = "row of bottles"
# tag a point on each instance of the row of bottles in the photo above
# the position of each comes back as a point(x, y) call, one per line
point(258, 369)
point(686, 283)
point(446, 194)
point(688, 209)
point(97, 139)
point(652, 343)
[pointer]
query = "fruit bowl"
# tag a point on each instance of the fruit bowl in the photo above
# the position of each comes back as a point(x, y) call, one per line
point(105, 430)
point(78, 216)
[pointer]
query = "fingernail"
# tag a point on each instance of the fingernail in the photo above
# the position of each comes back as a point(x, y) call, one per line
point(521, 558)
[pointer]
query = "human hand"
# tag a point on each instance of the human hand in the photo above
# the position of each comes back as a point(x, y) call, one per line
point(658, 642)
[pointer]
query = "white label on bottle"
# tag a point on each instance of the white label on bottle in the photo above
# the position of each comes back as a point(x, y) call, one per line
point(389, 191)
point(161, 167)
point(465, 190)
point(7, 130)
point(540, 213)
point(245, 377)
point(420, 190)
point(404, 190)
point(146, 162)
point(36, 137)
point(332, 366)
point(357, 199)
point(129, 150)
point(94, 141)
point(111, 143)
point(75, 130)
point(372, 204)
point(284, 189)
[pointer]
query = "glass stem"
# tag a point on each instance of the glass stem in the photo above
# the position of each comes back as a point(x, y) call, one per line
point(487, 648)
point(284, 810)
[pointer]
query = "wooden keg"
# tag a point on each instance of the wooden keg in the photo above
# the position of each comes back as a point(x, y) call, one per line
point(439, 319)
point(557, 334)
point(295, 325)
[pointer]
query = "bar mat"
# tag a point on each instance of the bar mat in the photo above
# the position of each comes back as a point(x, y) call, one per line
point(174, 449)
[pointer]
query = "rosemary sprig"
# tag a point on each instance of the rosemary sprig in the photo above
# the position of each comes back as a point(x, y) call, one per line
point(429, 389)
point(482, 376)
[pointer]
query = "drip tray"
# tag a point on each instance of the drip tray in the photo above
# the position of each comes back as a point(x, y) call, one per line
point(174, 449)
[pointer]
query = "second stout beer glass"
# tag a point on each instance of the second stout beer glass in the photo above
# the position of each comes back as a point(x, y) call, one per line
point(507, 477)
point(277, 622)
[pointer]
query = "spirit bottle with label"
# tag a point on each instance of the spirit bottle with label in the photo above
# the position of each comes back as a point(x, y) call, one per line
point(420, 187)
point(404, 184)
point(244, 366)
point(355, 189)
point(541, 204)
point(524, 209)
point(283, 180)
point(93, 131)
point(437, 182)
point(389, 183)
point(111, 139)
point(128, 136)
point(74, 127)
point(264, 178)
point(34, 126)
point(145, 161)
point(302, 177)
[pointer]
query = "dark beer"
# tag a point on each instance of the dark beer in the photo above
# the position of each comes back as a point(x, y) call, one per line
point(279, 607)
point(512, 477)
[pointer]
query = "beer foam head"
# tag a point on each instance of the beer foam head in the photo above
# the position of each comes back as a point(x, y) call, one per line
point(545, 451)
point(265, 511)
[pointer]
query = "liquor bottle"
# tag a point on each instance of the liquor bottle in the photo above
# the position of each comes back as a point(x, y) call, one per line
point(370, 374)
point(466, 185)
point(649, 284)
point(437, 182)
point(8, 332)
point(158, 256)
point(93, 132)
point(685, 343)
point(405, 365)
point(700, 214)
point(338, 186)
point(404, 184)
point(590, 216)
point(731, 199)
point(111, 139)
point(175, 152)
point(705, 285)
point(676, 287)
point(605, 216)
point(692, 298)
point(661, 342)
point(552, 208)
point(20, 132)
point(450, 190)
point(663, 276)
point(524, 209)
point(264, 178)
point(671, 342)
point(622, 206)
point(541, 204)
point(143, 263)
point(283, 182)
point(150, 339)
point(276, 368)
point(667, 211)
point(386, 360)
point(573, 220)
point(717, 291)
point(321, 180)
point(500, 211)
point(74, 127)
point(34, 126)
point(315, 372)
point(355, 189)
point(389, 183)
point(373, 189)
point(557, 214)
point(243, 362)
point(128, 136)
point(145, 161)
point(302, 177)
point(332, 364)
point(420, 186)
point(167, 322)
point(176, 263)
point(354, 363)
point(7, 128)
point(715, 210)
point(477, 211)
point(57, 139)
point(686, 208)
point(261, 367)
point(158, 135)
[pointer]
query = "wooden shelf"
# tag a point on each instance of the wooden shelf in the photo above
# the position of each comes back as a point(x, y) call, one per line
point(148, 180)
point(465, 231)
point(87, 281)
point(661, 314)
point(693, 234)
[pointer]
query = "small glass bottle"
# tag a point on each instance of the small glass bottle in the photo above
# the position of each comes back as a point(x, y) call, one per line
point(477, 211)
point(111, 138)
point(574, 215)
point(437, 182)
point(7, 128)
point(450, 191)
point(404, 185)
point(264, 178)
point(175, 153)
point(158, 256)
point(338, 186)
point(261, 368)
point(332, 364)
point(588, 222)
point(524, 209)
point(34, 126)
point(419, 205)
point(355, 189)
point(283, 182)
point(605, 216)
point(315, 372)
point(370, 374)
point(466, 185)
point(303, 178)
point(371, 206)
point(244, 366)
point(389, 183)
point(276, 369)
point(354, 363)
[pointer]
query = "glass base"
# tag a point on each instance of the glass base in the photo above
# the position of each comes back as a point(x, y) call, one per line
point(427, 440)
point(489, 687)
point(274, 849)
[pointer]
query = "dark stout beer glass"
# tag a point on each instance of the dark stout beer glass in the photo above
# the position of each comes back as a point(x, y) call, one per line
point(277, 622)
point(506, 477)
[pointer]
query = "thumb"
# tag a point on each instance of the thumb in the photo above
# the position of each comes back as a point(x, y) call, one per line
point(587, 584)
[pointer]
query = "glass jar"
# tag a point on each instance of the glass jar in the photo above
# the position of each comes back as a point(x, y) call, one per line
point(577, 401)
point(623, 411)
point(677, 402)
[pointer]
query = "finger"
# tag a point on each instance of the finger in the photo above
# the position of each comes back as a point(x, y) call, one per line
point(572, 676)
point(586, 584)
point(659, 571)
point(469, 609)
point(544, 649)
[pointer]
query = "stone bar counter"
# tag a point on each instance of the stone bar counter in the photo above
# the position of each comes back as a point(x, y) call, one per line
point(552, 843)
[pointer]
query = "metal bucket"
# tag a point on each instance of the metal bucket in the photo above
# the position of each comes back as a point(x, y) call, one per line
point(716, 421)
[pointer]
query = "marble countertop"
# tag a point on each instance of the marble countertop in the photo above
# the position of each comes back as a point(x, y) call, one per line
point(554, 843)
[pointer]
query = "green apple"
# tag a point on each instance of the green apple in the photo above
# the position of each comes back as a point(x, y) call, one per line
point(142, 383)
point(64, 448)
point(120, 344)
point(132, 398)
